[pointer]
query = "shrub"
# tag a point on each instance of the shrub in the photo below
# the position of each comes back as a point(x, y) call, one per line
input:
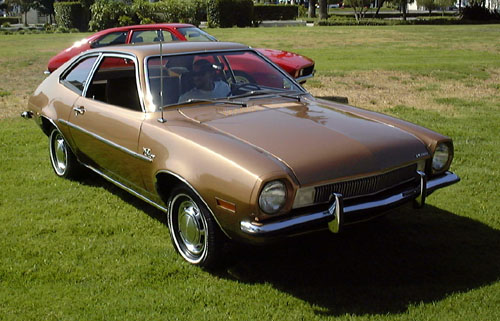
point(478, 13)
point(228, 13)
point(125, 21)
point(11, 20)
point(6, 24)
point(62, 30)
point(69, 15)
point(275, 12)
point(106, 14)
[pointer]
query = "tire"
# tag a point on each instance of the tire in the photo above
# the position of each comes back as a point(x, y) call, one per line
point(194, 232)
point(62, 159)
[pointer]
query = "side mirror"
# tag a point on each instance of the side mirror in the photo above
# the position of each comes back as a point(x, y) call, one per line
point(93, 44)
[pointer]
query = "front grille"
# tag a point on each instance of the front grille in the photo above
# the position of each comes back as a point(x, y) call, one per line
point(367, 185)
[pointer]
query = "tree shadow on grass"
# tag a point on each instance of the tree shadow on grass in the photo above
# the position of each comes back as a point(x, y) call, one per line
point(383, 266)
point(378, 267)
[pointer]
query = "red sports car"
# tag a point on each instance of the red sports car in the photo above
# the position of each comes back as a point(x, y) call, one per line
point(299, 67)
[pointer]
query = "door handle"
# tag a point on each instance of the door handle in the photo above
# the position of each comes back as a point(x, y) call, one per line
point(79, 110)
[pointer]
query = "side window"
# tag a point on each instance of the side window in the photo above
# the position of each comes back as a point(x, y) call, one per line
point(152, 36)
point(114, 83)
point(114, 38)
point(76, 78)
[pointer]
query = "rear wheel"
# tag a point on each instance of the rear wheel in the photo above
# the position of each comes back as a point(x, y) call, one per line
point(194, 232)
point(63, 160)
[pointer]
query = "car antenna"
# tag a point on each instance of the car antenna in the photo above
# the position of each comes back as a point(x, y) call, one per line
point(161, 119)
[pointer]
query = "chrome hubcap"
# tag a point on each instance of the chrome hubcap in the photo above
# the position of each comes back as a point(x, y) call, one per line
point(59, 153)
point(191, 227)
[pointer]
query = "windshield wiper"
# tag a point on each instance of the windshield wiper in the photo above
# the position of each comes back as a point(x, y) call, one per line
point(216, 100)
point(257, 93)
point(296, 96)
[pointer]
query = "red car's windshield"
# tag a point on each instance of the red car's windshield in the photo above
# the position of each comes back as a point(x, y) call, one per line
point(195, 34)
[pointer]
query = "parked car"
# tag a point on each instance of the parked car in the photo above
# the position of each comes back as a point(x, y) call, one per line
point(299, 67)
point(263, 161)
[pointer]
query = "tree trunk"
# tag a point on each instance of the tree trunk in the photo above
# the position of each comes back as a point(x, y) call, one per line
point(403, 9)
point(323, 9)
point(312, 9)
point(379, 5)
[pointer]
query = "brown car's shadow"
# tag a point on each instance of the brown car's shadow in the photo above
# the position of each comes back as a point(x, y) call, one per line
point(378, 267)
point(383, 266)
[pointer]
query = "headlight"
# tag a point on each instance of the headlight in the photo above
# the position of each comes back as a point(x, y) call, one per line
point(441, 157)
point(273, 197)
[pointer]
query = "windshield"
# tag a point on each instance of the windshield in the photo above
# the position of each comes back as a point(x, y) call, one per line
point(195, 34)
point(218, 75)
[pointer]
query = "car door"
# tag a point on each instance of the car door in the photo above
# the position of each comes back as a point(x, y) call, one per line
point(106, 121)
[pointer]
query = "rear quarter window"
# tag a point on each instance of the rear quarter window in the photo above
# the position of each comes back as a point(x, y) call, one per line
point(76, 78)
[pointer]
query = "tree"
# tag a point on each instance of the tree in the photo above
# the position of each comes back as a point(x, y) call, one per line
point(403, 6)
point(24, 7)
point(359, 7)
point(444, 4)
point(311, 13)
point(427, 4)
point(323, 9)
point(380, 3)
point(45, 7)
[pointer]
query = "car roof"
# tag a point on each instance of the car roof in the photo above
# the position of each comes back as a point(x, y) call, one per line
point(145, 50)
point(148, 26)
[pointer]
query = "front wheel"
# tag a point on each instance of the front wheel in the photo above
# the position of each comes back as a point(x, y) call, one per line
point(195, 234)
point(63, 160)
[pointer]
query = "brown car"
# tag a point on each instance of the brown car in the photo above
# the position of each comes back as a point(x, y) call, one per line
point(227, 159)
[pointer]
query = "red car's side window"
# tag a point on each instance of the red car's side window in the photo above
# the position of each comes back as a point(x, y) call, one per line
point(114, 38)
point(139, 36)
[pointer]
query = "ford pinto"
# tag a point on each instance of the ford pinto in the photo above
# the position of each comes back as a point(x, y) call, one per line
point(254, 161)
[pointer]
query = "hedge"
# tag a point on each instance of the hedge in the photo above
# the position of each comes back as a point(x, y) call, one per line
point(11, 20)
point(275, 12)
point(109, 13)
point(228, 13)
point(70, 15)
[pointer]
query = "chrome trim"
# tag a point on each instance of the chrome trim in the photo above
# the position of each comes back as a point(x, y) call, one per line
point(261, 229)
point(197, 194)
point(446, 179)
point(131, 191)
point(337, 210)
point(420, 200)
point(106, 141)
point(303, 79)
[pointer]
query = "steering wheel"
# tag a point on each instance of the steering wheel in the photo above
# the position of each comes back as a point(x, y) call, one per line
point(244, 87)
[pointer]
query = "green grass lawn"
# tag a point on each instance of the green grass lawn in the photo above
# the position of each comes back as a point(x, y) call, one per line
point(85, 250)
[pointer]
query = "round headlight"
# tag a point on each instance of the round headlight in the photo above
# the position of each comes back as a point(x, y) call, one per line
point(441, 157)
point(273, 197)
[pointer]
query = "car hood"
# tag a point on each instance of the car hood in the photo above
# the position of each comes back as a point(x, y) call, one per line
point(286, 58)
point(318, 143)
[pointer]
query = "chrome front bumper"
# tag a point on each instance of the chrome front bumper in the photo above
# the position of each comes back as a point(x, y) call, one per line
point(337, 211)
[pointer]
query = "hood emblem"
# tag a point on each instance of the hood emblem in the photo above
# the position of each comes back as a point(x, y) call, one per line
point(419, 155)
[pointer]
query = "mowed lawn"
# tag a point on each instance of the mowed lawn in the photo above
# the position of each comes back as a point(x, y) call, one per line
point(85, 250)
